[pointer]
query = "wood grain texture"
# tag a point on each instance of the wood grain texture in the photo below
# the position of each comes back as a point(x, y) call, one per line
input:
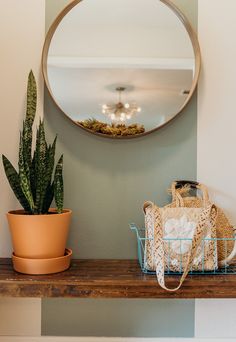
point(109, 279)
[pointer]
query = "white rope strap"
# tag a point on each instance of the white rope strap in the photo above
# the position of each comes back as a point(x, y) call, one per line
point(208, 213)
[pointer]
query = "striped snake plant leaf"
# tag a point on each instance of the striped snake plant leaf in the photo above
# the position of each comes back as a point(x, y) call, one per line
point(58, 185)
point(27, 133)
point(48, 190)
point(48, 198)
point(40, 167)
point(31, 99)
point(26, 147)
point(35, 172)
point(23, 175)
point(50, 160)
point(33, 178)
point(14, 181)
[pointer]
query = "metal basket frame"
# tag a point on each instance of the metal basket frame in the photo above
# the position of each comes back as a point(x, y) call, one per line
point(141, 243)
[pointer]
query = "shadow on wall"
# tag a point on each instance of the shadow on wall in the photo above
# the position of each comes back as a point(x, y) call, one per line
point(107, 181)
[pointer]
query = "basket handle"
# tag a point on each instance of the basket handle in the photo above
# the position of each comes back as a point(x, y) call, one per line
point(181, 183)
point(176, 194)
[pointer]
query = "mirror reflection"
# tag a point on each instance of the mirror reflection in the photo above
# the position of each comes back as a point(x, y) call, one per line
point(120, 68)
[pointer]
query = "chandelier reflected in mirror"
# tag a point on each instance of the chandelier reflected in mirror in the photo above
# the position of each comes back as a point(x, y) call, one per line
point(120, 113)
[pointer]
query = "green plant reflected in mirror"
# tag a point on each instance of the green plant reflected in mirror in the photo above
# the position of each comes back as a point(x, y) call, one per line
point(121, 69)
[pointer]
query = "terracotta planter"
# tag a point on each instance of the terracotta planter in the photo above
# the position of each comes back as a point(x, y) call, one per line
point(39, 236)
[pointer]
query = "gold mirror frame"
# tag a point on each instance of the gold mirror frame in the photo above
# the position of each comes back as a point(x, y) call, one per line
point(197, 54)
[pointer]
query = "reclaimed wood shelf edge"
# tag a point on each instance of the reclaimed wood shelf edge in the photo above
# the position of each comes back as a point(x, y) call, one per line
point(109, 279)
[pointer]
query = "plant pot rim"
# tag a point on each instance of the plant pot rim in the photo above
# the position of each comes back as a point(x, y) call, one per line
point(21, 212)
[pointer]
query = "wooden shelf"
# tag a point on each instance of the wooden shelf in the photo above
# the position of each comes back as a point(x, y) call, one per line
point(109, 279)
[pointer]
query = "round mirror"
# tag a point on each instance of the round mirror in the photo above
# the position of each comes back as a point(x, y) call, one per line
point(121, 68)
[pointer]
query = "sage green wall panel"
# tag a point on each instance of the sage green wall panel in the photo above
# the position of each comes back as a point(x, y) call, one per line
point(123, 318)
point(53, 8)
point(190, 9)
point(106, 183)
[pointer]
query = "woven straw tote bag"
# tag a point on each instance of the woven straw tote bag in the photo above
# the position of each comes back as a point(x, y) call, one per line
point(165, 248)
point(180, 198)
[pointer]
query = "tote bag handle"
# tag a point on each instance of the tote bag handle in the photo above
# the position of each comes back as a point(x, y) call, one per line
point(208, 213)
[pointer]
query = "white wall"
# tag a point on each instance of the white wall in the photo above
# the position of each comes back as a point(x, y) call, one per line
point(216, 101)
point(23, 23)
point(216, 138)
point(20, 317)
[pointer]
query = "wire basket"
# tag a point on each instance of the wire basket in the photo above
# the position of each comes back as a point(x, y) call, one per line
point(141, 241)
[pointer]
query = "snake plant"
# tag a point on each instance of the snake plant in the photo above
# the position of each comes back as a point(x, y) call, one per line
point(36, 183)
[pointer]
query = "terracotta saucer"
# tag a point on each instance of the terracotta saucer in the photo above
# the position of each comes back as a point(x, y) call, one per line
point(42, 266)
